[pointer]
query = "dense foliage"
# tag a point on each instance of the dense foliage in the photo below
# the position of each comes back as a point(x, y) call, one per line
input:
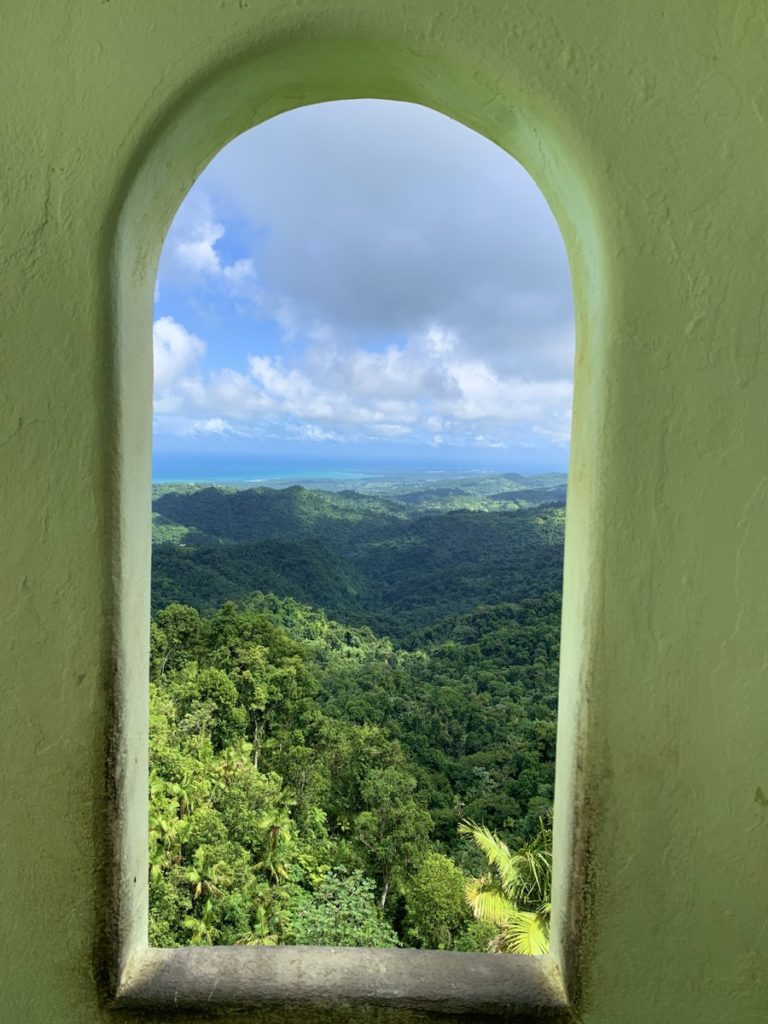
point(308, 776)
point(363, 559)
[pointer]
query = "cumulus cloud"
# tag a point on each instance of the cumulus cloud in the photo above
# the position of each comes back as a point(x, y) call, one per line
point(410, 391)
point(191, 249)
point(416, 279)
point(310, 432)
point(377, 218)
point(176, 354)
point(215, 426)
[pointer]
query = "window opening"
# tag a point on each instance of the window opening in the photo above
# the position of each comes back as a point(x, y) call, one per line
point(363, 356)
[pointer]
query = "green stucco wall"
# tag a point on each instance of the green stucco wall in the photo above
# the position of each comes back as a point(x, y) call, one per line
point(646, 125)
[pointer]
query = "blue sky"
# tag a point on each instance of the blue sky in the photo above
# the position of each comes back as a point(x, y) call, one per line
point(365, 280)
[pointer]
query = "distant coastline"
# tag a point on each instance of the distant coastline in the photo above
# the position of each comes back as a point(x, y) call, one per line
point(241, 470)
point(265, 477)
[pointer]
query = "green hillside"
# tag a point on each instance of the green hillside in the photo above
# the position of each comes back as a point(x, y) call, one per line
point(368, 560)
point(291, 513)
point(338, 681)
point(297, 761)
point(205, 577)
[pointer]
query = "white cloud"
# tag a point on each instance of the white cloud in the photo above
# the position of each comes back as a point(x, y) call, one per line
point(415, 390)
point(417, 279)
point(390, 430)
point(190, 250)
point(378, 218)
point(313, 433)
point(215, 426)
point(176, 353)
point(238, 271)
point(197, 250)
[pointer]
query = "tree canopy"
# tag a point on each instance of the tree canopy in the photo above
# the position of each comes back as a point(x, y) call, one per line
point(310, 770)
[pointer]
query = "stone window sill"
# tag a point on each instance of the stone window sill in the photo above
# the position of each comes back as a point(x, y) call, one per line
point(345, 985)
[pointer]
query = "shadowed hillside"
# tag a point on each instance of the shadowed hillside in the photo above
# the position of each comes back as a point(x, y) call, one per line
point(382, 562)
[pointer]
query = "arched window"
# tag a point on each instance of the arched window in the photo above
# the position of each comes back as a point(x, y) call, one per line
point(363, 330)
point(239, 978)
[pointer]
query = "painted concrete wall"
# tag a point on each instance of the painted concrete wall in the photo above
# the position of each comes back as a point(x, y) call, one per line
point(646, 125)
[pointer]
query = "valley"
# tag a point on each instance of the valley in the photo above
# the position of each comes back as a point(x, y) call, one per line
point(340, 679)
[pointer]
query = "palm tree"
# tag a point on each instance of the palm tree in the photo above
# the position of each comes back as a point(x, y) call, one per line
point(261, 934)
point(203, 929)
point(206, 875)
point(515, 895)
point(276, 821)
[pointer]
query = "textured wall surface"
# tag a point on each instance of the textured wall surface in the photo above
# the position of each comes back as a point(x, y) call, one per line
point(646, 125)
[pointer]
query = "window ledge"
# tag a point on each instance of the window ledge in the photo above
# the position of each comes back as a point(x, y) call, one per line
point(345, 984)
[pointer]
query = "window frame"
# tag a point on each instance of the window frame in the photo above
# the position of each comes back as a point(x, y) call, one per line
point(401, 985)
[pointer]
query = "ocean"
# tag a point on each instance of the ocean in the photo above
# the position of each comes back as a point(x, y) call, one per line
point(217, 468)
point(331, 462)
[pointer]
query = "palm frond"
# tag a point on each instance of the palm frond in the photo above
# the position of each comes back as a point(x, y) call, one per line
point(525, 933)
point(534, 871)
point(495, 851)
point(515, 897)
point(488, 905)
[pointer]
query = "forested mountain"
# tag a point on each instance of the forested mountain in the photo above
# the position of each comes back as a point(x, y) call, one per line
point(290, 513)
point(385, 672)
point(365, 559)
